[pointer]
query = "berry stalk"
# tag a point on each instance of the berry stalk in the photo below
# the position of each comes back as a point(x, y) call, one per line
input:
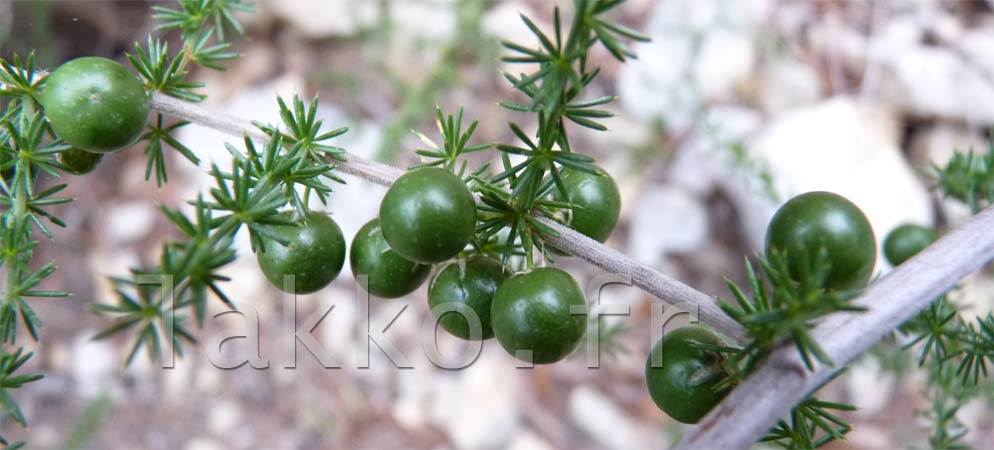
point(643, 276)
point(782, 380)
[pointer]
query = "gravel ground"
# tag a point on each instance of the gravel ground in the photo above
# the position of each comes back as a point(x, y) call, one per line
point(732, 108)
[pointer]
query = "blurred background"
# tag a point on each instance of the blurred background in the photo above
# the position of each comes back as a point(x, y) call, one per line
point(734, 107)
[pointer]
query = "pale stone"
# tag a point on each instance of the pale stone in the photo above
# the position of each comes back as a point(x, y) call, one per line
point(678, 223)
point(486, 413)
point(223, 417)
point(725, 61)
point(504, 23)
point(938, 143)
point(842, 146)
point(528, 440)
point(871, 385)
point(128, 222)
point(93, 365)
point(788, 84)
point(606, 422)
point(935, 81)
point(202, 443)
point(319, 19)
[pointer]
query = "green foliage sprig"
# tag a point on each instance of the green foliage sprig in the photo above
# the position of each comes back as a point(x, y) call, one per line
point(18, 81)
point(554, 88)
point(968, 177)
point(811, 425)
point(955, 351)
point(455, 143)
point(947, 394)
point(27, 148)
point(783, 309)
point(199, 17)
point(9, 380)
point(251, 194)
point(204, 26)
point(511, 198)
point(247, 195)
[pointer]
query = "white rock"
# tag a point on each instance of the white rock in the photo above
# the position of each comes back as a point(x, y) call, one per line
point(129, 222)
point(787, 84)
point(900, 32)
point(607, 423)
point(613, 297)
point(223, 416)
point(725, 125)
point(976, 295)
point(976, 415)
point(791, 18)
point(939, 83)
point(202, 443)
point(701, 50)
point(318, 19)
point(504, 23)
point(725, 61)
point(678, 223)
point(44, 435)
point(209, 379)
point(658, 85)
point(684, 15)
point(248, 290)
point(93, 365)
point(177, 379)
point(424, 20)
point(706, 158)
point(486, 413)
point(420, 393)
point(702, 15)
point(708, 154)
point(841, 146)
point(528, 440)
point(338, 329)
point(937, 144)
point(935, 81)
point(869, 435)
point(834, 38)
point(871, 385)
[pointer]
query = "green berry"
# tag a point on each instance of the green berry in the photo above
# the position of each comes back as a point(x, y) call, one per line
point(539, 316)
point(388, 275)
point(95, 104)
point(314, 254)
point(428, 215)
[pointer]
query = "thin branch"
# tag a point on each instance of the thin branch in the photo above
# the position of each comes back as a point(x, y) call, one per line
point(781, 381)
point(648, 279)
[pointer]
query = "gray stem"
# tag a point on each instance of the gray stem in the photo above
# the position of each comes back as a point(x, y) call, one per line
point(648, 279)
point(782, 381)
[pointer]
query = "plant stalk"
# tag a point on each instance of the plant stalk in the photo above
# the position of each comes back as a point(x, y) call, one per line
point(781, 381)
point(19, 210)
point(643, 276)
